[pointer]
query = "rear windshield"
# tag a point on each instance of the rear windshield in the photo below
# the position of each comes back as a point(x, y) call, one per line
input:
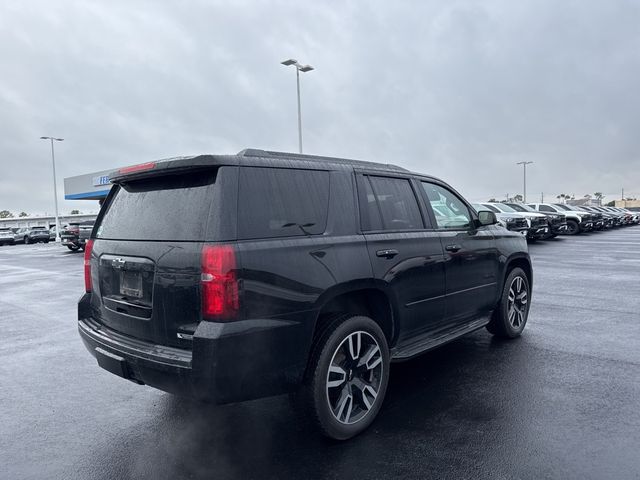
point(170, 207)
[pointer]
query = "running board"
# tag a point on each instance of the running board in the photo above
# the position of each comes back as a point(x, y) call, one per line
point(416, 348)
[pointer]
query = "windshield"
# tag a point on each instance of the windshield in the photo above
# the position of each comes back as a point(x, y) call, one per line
point(562, 207)
point(503, 207)
point(482, 206)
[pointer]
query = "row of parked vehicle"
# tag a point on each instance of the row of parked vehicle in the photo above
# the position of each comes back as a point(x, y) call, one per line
point(73, 236)
point(542, 221)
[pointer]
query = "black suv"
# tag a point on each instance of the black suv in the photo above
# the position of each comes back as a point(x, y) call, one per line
point(235, 277)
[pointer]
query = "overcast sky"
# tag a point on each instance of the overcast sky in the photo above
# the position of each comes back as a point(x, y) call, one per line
point(458, 89)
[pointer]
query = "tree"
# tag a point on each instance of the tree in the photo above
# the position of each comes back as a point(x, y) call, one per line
point(23, 214)
point(6, 214)
point(612, 203)
point(598, 195)
point(492, 200)
point(517, 198)
point(74, 212)
point(587, 196)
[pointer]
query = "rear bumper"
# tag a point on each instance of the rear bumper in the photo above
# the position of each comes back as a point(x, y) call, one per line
point(229, 362)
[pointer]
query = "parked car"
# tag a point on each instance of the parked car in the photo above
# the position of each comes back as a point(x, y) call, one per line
point(537, 222)
point(6, 236)
point(75, 235)
point(242, 276)
point(557, 221)
point(577, 222)
point(510, 221)
point(610, 219)
point(31, 235)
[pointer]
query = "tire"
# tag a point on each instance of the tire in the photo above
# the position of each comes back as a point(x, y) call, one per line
point(510, 316)
point(46, 241)
point(345, 400)
point(572, 227)
point(73, 248)
point(27, 241)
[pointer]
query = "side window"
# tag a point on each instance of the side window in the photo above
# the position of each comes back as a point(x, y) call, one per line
point(545, 208)
point(369, 212)
point(397, 203)
point(275, 202)
point(449, 210)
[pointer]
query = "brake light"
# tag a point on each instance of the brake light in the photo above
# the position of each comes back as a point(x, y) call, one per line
point(219, 283)
point(138, 168)
point(88, 247)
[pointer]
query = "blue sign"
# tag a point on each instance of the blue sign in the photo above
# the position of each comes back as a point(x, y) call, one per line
point(101, 180)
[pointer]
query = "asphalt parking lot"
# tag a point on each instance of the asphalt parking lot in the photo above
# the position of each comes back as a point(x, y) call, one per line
point(563, 401)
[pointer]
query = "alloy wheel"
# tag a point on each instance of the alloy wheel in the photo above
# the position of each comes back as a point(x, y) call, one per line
point(354, 377)
point(517, 304)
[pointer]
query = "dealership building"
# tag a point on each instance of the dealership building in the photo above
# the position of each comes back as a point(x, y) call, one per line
point(91, 186)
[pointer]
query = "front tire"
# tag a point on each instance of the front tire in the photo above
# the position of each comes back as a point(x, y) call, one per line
point(27, 241)
point(573, 228)
point(510, 316)
point(347, 377)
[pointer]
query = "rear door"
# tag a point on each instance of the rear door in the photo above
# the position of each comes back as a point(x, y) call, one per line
point(471, 265)
point(405, 253)
point(146, 259)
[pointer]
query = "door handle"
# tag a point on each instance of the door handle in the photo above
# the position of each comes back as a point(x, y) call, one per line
point(387, 253)
point(452, 248)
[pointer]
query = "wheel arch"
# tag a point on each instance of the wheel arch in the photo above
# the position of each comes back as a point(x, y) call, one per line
point(357, 298)
point(522, 261)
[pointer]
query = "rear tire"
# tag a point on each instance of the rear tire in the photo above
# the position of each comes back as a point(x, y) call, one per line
point(347, 377)
point(27, 241)
point(510, 316)
point(73, 248)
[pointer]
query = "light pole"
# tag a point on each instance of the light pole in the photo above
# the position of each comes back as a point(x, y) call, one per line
point(524, 165)
point(299, 68)
point(55, 188)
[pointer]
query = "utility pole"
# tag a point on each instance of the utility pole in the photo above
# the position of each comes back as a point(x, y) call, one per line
point(524, 165)
point(541, 197)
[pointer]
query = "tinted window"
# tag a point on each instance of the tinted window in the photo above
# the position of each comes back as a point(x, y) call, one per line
point(545, 208)
point(397, 203)
point(277, 202)
point(369, 212)
point(170, 207)
point(449, 210)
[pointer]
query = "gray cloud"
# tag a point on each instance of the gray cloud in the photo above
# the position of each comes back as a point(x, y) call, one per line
point(457, 89)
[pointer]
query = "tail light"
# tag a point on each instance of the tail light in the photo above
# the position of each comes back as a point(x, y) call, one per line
point(88, 247)
point(219, 283)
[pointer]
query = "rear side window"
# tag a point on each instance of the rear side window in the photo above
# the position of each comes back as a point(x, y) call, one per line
point(170, 207)
point(396, 203)
point(276, 202)
point(545, 208)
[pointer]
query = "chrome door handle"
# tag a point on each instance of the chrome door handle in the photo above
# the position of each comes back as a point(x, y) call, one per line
point(387, 253)
point(452, 248)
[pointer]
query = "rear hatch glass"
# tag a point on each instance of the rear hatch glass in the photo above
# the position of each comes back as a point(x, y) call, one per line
point(168, 208)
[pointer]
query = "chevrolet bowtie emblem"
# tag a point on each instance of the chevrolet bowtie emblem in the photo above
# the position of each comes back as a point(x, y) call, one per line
point(118, 263)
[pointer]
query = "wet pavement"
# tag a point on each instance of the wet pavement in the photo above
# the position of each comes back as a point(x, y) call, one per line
point(561, 402)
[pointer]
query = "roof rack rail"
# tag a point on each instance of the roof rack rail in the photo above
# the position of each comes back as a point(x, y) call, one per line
point(255, 152)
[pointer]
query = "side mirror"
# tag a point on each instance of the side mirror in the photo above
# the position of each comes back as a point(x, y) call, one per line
point(485, 217)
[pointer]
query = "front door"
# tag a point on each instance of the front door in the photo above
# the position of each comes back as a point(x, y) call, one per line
point(471, 266)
